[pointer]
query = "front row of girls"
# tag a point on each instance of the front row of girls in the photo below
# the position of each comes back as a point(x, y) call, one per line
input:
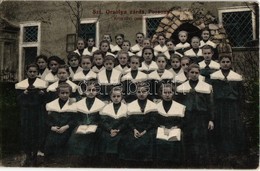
point(129, 132)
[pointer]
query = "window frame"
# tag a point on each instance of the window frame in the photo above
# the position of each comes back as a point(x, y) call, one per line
point(149, 16)
point(91, 21)
point(23, 44)
point(239, 9)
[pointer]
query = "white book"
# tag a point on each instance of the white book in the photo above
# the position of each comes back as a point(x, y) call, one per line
point(86, 129)
point(168, 134)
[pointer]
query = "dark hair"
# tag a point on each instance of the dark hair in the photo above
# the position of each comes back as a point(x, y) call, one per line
point(225, 56)
point(109, 57)
point(193, 66)
point(98, 52)
point(44, 57)
point(109, 36)
point(207, 47)
point(87, 57)
point(185, 58)
point(127, 42)
point(206, 29)
point(137, 34)
point(63, 85)
point(66, 67)
point(121, 35)
point(161, 55)
point(116, 88)
point(32, 65)
point(57, 59)
point(175, 56)
point(73, 55)
point(161, 34)
point(148, 47)
point(169, 40)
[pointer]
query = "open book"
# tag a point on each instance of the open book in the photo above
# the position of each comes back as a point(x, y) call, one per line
point(168, 134)
point(86, 129)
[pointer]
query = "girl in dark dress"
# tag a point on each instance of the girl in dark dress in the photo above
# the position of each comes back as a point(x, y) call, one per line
point(73, 62)
point(84, 144)
point(138, 143)
point(113, 124)
point(228, 96)
point(196, 95)
point(30, 94)
point(42, 61)
point(53, 63)
point(61, 122)
point(170, 116)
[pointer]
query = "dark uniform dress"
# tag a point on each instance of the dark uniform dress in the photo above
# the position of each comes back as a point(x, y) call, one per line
point(52, 90)
point(229, 128)
point(129, 82)
point(32, 114)
point(113, 116)
point(197, 97)
point(141, 117)
point(88, 114)
point(195, 55)
point(60, 113)
point(156, 81)
point(206, 70)
point(170, 114)
point(107, 79)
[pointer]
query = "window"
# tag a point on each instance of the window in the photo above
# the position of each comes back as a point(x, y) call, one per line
point(239, 23)
point(150, 24)
point(90, 28)
point(71, 42)
point(29, 44)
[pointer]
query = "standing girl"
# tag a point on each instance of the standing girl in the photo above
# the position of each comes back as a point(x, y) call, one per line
point(139, 42)
point(73, 61)
point(195, 53)
point(90, 49)
point(122, 58)
point(196, 95)
point(80, 46)
point(30, 99)
point(98, 61)
point(53, 63)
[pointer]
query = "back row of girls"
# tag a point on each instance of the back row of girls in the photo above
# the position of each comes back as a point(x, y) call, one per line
point(143, 116)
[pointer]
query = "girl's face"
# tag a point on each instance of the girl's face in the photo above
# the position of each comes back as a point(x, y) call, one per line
point(175, 63)
point(116, 97)
point(195, 43)
point(119, 40)
point(139, 38)
point(194, 74)
point(64, 94)
point(161, 62)
point(98, 59)
point(81, 44)
point(207, 54)
point(183, 37)
point(205, 35)
point(134, 63)
point(91, 42)
point(146, 43)
point(122, 58)
point(86, 64)
point(185, 64)
point(170, 45)
point(126, 46)
point(225, 64)
point(41, 63)
point(161, 40)
point(109, 64)
point(148, 55)
point(54, 65)
point(91, 91)
point(74, 62)
point(107, 37)
point(104, 47)
point(167, 93)
point(62, 74)
point(142, 93)
point(32, 72)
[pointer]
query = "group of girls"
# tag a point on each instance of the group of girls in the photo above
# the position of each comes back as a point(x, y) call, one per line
point(125, 94)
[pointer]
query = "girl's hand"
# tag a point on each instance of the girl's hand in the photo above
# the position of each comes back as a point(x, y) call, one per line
point(55, 128)
point(41, 92)
point(136, 133)
point(63, 129)
point(113, 132)
point(25, 91)
point(142, 133)
point(211, 125)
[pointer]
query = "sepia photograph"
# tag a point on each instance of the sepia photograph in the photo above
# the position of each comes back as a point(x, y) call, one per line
point(129, 84)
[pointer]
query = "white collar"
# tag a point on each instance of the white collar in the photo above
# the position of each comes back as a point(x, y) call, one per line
point(152, 66)
point(136, 48)
point(201, 87)
point(181, 45)
point(114, 79)
point(87, 52)
point(212, 65)
point(176, 109)
point(53, 87)
point(72, 73)
point(180, 77)
point(158, 48)
point(192, 53)
point(108, 53)
point(54, 106)
point(81, 76)
point(51, 78)
point(110, 111)
point(38, 83)
point(96, 107)
point(155, 76)
point(232, 76)
point(134, 108)
point(115, 48)
point(139, 77)
point(96, 70)
point(43, 75)
point(202, 43)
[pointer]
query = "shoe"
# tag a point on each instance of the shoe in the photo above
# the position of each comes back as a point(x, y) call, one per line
point(39, 153)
